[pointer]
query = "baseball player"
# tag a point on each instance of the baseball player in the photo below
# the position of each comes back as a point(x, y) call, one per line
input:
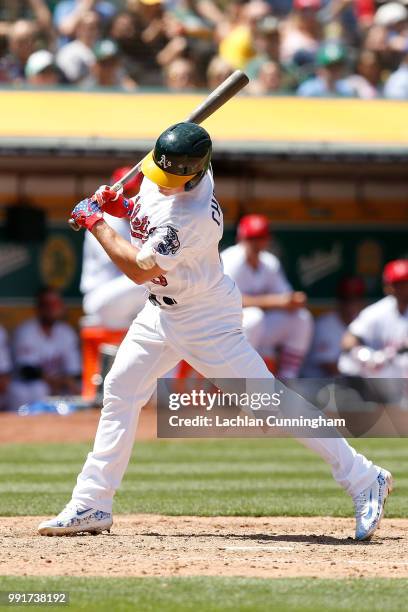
point(5, 369)
point(111, 299)
point(331, 327)
point(274, 317)
point(45, 354)
point(376, 342)
point(194, 313)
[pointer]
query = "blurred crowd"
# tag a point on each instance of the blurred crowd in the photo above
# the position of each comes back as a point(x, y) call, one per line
point(352, 48)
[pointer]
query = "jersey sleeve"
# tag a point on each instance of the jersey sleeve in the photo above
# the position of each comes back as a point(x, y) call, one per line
point(277, 281)
point(363, 327)
point(231, 263)
point(170, 246)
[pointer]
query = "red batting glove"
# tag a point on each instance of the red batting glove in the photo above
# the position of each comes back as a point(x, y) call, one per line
point(113, 202)
point(87, 213)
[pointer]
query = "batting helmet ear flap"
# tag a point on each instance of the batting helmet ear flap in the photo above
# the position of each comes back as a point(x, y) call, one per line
point(197, 179)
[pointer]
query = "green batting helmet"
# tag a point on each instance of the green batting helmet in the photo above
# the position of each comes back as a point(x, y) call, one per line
point(181, 156)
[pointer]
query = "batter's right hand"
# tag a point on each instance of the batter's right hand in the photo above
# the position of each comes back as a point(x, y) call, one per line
point(113, 202)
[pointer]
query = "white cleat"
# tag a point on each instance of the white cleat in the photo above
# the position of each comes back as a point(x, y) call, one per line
point(369, 505)
point(72, 520)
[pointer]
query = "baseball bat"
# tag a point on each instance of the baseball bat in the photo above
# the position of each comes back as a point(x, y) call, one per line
point(217, 98)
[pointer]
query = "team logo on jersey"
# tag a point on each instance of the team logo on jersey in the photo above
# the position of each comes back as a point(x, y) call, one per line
point(163, 162)
point(139, 226)
point(170, 243)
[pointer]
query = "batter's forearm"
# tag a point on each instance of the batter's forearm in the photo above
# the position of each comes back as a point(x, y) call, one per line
point(123, 254)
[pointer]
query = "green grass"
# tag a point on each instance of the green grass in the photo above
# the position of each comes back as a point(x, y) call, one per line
point(220, 594)
point(215, 477)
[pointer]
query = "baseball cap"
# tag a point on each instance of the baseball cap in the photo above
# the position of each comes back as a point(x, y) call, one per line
point(391, 13)
point(131, 185)
point(253, 226)
point(38, 62)
point(350, 287)
point(306, 4)
point(330, 53)
point(396, 271)
point(105, 49)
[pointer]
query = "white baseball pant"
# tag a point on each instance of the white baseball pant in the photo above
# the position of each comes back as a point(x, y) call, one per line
point(115, 303)
point(210, 338)
point(290, 331)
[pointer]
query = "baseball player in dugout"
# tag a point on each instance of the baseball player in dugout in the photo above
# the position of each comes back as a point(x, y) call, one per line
point(111, 298)
point(376, 342)
point(275, 319)
point(46, 354)
point(330, 328)
point(194, 312)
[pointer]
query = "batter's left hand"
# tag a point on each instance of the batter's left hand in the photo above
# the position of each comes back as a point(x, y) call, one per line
point(86, 213)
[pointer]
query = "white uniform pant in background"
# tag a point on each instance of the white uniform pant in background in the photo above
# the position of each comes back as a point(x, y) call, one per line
point(210, 338)
point(116, 303)
point(26, 392)
point(292, 332)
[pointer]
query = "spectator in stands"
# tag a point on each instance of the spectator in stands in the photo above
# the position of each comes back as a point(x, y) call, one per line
point(45, 354)
point(151, 13)
point(218, 70)
point(393, 17)
point(330, 328)
point(375, 341)
point(269, 80)
point(367, 82)
point(329, 79)
point(69, 13)
point(187, 42)
point(275, 319)
point(125, 33)
point(5, 370)
point(76, 58)
point(151, 37)
point(396, 86)
point(108, 71)
point(21, 43)
point(180, 75)
point(41, 70)
point(266, 46)
point(191, 22)
point(237, 45)
point(111, 299)
point(302, 30)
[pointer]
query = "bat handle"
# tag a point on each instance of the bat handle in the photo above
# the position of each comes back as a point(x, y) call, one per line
point(74, 226)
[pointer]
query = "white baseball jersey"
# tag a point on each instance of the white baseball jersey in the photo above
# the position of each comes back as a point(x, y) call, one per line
point(326, 344)
point(97, 267)
point(5, 361)
point(56, 353)
point(381, 325)
point(268, 277)
point(179, 229)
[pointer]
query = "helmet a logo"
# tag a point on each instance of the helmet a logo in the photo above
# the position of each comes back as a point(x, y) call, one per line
point(163, 162)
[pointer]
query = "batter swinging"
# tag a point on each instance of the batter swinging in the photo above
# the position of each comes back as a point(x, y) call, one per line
point(194, 312)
